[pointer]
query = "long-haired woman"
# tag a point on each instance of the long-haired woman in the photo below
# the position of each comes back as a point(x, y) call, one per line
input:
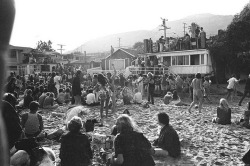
point(223, 113)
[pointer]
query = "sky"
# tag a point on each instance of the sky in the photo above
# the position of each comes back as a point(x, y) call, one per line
point(73, 22)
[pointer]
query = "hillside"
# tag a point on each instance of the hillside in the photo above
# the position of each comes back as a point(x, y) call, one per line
point(211, 24)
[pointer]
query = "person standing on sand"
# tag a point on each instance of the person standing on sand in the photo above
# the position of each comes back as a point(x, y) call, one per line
point(76, 88)
point(231, 86)
point(247, 90)
point(197, 92)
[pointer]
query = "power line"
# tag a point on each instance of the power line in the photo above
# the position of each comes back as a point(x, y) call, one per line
point(61, 47)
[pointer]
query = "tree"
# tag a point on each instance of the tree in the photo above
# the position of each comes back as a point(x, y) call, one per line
point(44, 46)
point(139, 46)
point(230, 49)
point(192, 29)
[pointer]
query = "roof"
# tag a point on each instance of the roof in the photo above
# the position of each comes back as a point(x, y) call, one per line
point(25, 50)
point(131, 52)
point(78, 62)
point(176, 53)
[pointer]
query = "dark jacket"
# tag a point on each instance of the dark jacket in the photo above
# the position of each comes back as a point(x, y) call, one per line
point(135, 149)
point(12, 123)
point(169, 140)
point(75, 150)
point(76, 86)
point(27, 100)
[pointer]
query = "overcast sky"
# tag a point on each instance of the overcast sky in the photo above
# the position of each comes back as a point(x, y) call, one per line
point(73, 22)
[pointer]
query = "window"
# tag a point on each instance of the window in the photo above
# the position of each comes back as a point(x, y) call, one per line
point(202, 59)
point(195, 59)
point(13, 54)
point(45, 68)
point(186, 61)
point(13, 67)
point(180, 60)
point(174, 59)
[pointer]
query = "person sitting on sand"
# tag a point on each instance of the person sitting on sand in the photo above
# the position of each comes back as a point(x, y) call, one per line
point(67, 96)
point(114, 131)
point(245, 122)
point(137, 97)
point(177, 101)
point(75, 147)
point(32, 122)
point(223, 113)
point(61, 97)
point(28, 99)
point(168, 143)
point(42, 97)
point(90, 98)
point(49, 102)
point(127, 144)
point(126, 94)
point(167, 98)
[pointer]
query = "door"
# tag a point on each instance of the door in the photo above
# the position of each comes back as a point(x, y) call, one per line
point(118, 63)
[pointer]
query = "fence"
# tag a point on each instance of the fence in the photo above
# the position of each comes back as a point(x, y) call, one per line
point(134, 71)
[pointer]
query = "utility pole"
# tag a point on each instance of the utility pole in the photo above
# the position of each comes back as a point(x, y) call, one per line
point(184, 26)
point(164, 27)
point(61, 47)
point(119, 39)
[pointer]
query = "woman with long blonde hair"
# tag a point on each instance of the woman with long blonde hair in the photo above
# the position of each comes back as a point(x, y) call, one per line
point(223, 113)
point(131, 147)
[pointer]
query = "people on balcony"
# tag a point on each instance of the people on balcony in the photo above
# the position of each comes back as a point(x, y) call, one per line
point(161, 43)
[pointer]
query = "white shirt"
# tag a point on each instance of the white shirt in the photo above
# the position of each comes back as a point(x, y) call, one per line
point(75, 111)
point(139, 81)
point(137, 97)
point(57, 79)
point(90, 98)
point(231, 83)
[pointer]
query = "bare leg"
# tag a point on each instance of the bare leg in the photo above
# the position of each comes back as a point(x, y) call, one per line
point(192, 104)
point(113, 103)
point(101, 111)
point(200, 104)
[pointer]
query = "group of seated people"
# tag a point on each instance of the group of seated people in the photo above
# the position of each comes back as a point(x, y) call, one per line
point(131, 147)
point(45, 98)
point(173, 99)
point(127, 141)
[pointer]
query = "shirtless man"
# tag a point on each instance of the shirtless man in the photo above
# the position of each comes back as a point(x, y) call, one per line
point(197, 92)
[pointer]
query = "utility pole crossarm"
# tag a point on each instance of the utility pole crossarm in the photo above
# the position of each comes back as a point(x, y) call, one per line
point(164, 27)
point(61, 47)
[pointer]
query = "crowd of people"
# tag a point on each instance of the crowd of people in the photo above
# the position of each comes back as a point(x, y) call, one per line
point(104, 90)
point(131, 147)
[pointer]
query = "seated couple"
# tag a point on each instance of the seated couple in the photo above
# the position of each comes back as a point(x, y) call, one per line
point(173, 99)
point(91, 99)
point(129, 140)
point(128, 98)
